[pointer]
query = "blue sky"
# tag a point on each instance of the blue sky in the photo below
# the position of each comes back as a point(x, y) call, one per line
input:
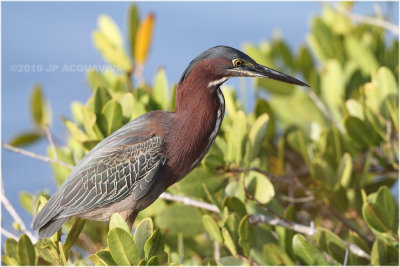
point(47, 33)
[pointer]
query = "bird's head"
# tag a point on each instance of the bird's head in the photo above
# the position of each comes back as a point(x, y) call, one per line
point(220, 63)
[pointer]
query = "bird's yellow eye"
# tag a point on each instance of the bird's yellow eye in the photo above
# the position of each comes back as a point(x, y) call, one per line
point(237, 62)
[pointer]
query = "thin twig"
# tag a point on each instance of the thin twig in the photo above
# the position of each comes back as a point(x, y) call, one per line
point(257, 218)
point(8, 234)
point(346, 256)
point(35, 156)
point(249, 261)
point(368, 20)
point(14, 214)
point(190, 201)
point(217, 250)
point(50, 138)
point(321, 106)
point(297, 200)
point(183, 252)
point(261, 218)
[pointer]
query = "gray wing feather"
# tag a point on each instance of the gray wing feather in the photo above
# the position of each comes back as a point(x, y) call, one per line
point(111, 171)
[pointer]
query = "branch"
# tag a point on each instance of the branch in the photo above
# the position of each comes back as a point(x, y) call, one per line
point(261, 218)
point(257, 218)
point(35, 156)
point(14, 214)
point(368, 20)
point(8, 234)
point(190, 202)
point(50, 138)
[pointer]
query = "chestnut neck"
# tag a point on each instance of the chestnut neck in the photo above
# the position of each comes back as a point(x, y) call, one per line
point(196, 120)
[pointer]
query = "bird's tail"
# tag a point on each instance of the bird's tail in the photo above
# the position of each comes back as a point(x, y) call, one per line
point(51, 227)
point(46, 222)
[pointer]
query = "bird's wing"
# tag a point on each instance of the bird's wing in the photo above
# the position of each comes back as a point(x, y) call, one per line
point(113, 176)
point(127, 162)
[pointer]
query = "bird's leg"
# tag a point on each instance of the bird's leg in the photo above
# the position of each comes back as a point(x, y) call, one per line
point(131, 218)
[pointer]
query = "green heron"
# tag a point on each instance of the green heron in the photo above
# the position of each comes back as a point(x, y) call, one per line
point(129, 169)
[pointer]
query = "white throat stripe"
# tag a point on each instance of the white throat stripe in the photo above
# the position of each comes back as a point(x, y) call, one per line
point(217, 82)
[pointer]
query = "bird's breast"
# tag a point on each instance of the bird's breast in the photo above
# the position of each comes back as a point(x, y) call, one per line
point(194, 132)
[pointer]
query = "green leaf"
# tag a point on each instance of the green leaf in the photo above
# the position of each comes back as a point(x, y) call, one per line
point(10, 247)
point(381, 214)
point(259, 186)
point(153, 261)
point(322, 39)
point(63, 257)
point(236, 138)
point(73, 234)
point(234, 204)
point(212, 197)
point(361, 54)
point(285, 235)
point(305, 62)
point(40, 110)
point(41, 201)
point(333, 88)
point(390, 109)
point(298, 142)
point(9, 261)
point(276, 87)
point(100, 97)
point(113, 54)
point(387, 83)
point(110, 29)
point(133, 24)
point(143, 232)
point(154, 246)
point(228, 241)
point(102, 257)
point(116, 220)
point(281, 50)
point(360, 132)
point(90, 125)
point(24, 139)
point(178, 218)
point(126, 102)
point(192, 184)
point(231, 223)
point(379, 255)
point(96, 80)
point(247, 235)
point(26, 251)
point(75, 131)
point(302, 110)
point(48, 251)
point(331, 243)
point(275, 255)
point(306, 252)
point(344, 170)
point(122, 247)
point(212, 228)
point(231, 261)
point(110, 118)
point(256, 136)
point(160, 89)
point(321, 171)
point(384, 254)
point(27, 201)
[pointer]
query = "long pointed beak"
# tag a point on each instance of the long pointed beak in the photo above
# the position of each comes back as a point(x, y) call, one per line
point(263, 72)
